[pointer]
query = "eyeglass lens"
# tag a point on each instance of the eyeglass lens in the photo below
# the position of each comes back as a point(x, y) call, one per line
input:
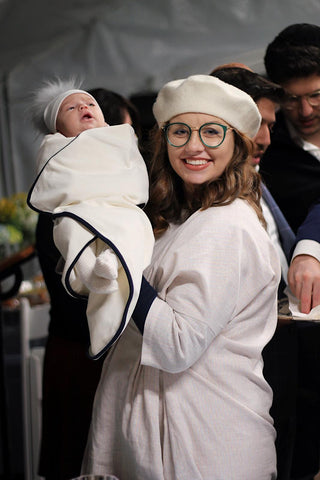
point(292, 101)
point(211, 134)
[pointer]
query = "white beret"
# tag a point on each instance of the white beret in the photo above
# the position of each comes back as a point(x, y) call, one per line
point(51, 111)
point(210, 95)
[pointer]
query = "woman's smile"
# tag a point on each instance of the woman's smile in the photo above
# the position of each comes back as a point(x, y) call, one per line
point(196, 163)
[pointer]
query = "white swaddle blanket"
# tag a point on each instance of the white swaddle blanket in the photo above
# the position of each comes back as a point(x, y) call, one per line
point(93, 184)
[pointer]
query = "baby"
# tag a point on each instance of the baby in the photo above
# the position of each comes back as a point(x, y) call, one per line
point(93, 180)
point(77, 112)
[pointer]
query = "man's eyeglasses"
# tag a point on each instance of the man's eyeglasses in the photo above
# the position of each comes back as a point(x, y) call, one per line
point(291, 102)
point(211, 135)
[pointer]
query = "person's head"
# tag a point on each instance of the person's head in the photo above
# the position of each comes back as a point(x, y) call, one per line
point(78, 111)
point(265, 93)
point(202, 142)
point(60, 106)
point(117, 109)
point(292, 59)
point(293, 53)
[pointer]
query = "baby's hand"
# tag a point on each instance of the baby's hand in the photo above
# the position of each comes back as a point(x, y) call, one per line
point(107, 265)
point(98, 274)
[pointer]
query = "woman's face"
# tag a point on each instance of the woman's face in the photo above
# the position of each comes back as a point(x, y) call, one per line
point(195, 163)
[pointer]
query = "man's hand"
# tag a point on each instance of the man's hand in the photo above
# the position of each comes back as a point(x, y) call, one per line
point(304, 281)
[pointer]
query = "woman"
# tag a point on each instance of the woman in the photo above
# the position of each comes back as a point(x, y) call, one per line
point(182, 394)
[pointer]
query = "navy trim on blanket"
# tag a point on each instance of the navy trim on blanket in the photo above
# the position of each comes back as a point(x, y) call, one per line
point(123, 263)
point(146, 297)
point(71, 267)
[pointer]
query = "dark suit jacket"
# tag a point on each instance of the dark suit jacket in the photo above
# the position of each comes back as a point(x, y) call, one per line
point(310, 228)
point(291, 174)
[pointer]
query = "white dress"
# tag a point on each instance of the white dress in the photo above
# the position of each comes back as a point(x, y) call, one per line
point(187, 400)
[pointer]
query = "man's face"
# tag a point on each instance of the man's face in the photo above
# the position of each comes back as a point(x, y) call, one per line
point(303, 116)
point(267, 109)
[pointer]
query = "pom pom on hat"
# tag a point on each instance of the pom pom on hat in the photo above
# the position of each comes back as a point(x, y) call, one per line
point(47, 101)
point(207, 94)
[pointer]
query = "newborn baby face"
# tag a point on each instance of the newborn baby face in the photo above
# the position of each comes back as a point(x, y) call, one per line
point(79, 112)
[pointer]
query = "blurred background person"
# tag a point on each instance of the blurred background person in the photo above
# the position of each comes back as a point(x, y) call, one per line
point(70, 378)
point(280, 355)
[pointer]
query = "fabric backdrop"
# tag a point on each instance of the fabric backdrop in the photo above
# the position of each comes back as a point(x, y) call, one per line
point(125, 45)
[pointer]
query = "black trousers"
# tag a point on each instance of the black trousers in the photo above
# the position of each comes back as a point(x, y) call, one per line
point(281, 372)
point(292, 368)
point(307, 445)
point(70, 380)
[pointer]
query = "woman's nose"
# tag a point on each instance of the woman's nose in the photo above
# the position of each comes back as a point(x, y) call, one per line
point(194, 142)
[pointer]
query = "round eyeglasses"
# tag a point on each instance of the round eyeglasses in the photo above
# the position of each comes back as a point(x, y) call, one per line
point(291, 102)
point(211, 135)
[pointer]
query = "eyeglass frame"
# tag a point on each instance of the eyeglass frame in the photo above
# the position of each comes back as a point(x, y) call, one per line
point(297, 98)
point(225, 128)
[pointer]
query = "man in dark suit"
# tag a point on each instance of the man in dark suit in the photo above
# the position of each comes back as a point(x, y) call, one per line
point(304, 270)
point(291, 164)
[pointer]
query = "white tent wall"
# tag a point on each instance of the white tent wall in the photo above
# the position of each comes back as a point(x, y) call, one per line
point(127, 46)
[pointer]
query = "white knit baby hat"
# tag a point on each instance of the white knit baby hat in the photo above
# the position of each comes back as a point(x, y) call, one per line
point(47, 101)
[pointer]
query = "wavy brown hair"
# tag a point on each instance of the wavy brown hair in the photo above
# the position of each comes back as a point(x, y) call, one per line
point(168, 201)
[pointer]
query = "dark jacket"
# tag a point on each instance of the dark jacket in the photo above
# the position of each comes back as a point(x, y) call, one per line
point(310, 228)
point(291, 174)
point(68, 314)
